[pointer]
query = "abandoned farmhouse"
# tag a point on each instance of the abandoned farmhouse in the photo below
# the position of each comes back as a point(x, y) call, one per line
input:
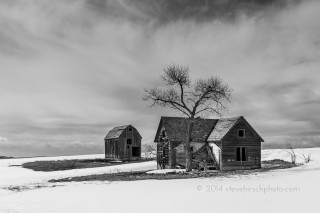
point(228, 143)
point(123, 143)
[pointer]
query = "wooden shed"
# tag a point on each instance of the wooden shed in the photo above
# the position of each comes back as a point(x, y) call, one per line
point(123, 143)
point(227, 143)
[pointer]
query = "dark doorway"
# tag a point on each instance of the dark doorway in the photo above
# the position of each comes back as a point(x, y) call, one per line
point(241, 154)
point(136, 151)
point(238, 153)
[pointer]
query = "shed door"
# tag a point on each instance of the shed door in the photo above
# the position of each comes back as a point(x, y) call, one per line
point(136, 151)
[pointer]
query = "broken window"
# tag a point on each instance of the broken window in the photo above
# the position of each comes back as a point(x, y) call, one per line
point(191, 152)
point(241, 133)
point(163, 133)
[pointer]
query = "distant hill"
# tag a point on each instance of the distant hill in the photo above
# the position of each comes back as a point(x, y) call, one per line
point(5, 157)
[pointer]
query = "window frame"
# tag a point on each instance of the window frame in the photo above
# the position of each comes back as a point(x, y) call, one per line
point(163, 133)
point(129, 139)
point(244, 133)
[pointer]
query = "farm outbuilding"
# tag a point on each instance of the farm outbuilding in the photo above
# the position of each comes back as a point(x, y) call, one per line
point(227, 143)
point(123, 143)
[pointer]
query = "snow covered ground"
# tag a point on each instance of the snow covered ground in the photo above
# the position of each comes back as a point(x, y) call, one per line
point(289, 190)
point(18, 176)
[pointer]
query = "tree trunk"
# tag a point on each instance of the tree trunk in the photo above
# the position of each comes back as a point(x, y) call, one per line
point(188, 141)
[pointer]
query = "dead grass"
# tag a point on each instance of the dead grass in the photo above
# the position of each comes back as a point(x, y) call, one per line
point(142, 175)
point(49, 166)
point(276, 164)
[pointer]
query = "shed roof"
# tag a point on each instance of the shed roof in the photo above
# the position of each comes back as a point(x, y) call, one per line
point(116, 132)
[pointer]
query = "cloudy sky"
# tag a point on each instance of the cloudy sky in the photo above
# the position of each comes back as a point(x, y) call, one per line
point(72, 69)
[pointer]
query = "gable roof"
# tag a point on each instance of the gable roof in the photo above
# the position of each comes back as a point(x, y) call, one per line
point(116, 132)
point(204, 129)
point(224, 125)
point(176, 128)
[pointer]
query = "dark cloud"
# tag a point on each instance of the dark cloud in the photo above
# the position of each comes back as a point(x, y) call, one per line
point(166, 11)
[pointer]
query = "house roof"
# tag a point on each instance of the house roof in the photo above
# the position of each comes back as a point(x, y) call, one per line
point(204, 129)
point(176, 128)
point(222, 127)
point(116, 132)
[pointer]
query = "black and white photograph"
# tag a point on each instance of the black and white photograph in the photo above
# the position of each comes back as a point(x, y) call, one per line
point(149, 106)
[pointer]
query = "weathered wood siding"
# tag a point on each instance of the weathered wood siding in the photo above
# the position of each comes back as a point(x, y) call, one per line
point(229, 148)
point(119, 149)
point(163, 155)
point(173, 154)
point(125, 149)
point(112, 148)
point(199, 154)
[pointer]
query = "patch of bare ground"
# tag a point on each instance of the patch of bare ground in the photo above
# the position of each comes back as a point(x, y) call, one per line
point(59, 165)
point(143, 175)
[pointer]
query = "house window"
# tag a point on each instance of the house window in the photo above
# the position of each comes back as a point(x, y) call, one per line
point(163, 133)
point(129, 141)
point(241, 133)
point(130, 129)
point(241, 154)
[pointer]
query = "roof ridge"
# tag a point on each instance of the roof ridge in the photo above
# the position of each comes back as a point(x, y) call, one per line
point(115, 132)
point(121, 126)
point(236, 117)
point(188, 118)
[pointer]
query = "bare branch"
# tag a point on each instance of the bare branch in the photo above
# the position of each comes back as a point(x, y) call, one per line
point(214, 91)
point(208, 95)
point(165, 98)
point(176, 74)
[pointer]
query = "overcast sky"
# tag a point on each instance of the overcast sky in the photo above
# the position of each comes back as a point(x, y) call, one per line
point(70, 70)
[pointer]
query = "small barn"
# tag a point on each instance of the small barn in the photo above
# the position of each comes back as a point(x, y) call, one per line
point(123, 143)
point(227, 143)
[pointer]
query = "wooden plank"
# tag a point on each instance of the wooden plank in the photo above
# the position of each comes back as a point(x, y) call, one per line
point(250, 142)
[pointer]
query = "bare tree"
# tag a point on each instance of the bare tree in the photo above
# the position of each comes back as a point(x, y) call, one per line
point(292, 153)
point(149, 149)
point(204, 96)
